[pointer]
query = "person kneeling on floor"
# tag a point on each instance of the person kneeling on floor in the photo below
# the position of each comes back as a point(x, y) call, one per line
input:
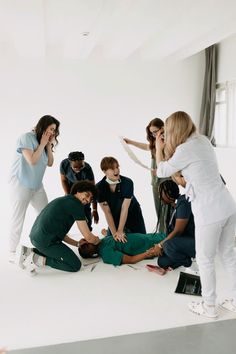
point(49, 231)
point(178, 248)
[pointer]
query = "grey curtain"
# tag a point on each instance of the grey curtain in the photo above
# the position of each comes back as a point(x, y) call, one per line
point(209, 94)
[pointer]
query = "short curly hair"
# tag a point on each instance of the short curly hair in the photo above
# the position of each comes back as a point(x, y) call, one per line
point(84, 186)
point(76, 156)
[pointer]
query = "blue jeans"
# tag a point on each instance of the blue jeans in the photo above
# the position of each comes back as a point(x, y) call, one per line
point(177, 252)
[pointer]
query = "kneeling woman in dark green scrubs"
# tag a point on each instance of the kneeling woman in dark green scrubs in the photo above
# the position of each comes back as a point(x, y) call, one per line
point(49, 232)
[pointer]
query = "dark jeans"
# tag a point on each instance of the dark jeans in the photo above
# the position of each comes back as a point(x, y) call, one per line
point(177, 252)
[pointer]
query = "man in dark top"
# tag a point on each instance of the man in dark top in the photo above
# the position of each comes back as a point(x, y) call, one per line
point(49, 231)
point(117, 200)
point(73, 169)
point(136, 248)
point(178, 248)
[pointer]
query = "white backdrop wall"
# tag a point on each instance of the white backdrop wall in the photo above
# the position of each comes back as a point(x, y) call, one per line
point(95, 102)
point(227, 72)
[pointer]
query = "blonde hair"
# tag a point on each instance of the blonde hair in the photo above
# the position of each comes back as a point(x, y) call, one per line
point(178, 128)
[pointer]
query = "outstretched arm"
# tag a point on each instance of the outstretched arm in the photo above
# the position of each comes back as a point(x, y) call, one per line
point(138, 257)
point(137, 144)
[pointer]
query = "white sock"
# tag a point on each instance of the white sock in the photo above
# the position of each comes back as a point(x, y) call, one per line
point(38, 260)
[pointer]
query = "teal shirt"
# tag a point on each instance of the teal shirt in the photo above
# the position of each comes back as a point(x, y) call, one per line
point(30, 176)
point(55, 220)
point(112, 252)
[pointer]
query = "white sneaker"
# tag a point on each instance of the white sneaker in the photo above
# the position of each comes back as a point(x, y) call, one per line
point(200, 308)
point(12, 257)
point(228, 305)
point(29, 265)
point(193, 269)
point(24, 253)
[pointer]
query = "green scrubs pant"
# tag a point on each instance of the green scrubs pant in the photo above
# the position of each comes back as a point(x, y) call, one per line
point(59, 256)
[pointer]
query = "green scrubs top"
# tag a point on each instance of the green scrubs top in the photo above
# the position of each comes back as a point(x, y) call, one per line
point(55, 220)
point(112, 251)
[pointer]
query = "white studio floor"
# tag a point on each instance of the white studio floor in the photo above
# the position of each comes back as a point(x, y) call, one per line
point(56, 307)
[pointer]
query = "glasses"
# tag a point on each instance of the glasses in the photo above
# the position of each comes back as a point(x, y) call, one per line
point(154, 133)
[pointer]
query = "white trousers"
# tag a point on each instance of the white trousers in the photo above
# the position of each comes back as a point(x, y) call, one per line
point(20, 198)
point(210, 239)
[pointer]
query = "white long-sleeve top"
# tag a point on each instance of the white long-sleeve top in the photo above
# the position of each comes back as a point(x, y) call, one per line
point(210, 199)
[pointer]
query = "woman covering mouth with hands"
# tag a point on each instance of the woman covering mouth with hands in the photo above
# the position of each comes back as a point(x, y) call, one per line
point(34, 152)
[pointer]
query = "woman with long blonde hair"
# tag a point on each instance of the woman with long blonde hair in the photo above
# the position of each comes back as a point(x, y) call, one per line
point(212, 205)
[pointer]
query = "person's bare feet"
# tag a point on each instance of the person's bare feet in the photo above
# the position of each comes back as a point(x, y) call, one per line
point(156, 269)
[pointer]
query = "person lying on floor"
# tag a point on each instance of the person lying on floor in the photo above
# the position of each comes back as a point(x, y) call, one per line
point(178, 248)
point(49, 231)
point(137, 248)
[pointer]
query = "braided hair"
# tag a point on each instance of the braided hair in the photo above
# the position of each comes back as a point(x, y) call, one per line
point(76, 156)
point(171, 190)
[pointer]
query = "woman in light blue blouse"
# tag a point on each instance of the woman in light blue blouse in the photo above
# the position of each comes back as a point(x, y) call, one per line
point(34, 152)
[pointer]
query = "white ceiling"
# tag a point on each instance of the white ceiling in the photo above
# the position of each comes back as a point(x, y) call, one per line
point(118, 29)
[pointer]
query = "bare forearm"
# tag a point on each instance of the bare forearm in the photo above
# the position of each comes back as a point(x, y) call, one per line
point(123, 218)
point(137, 144)
point(32, 157)
point(70, 241)
point(50, 154)
point(65, 186)
point(91, 238)
point(170, 236)
point(159, 156)
point(124, 213)
point(110, 223)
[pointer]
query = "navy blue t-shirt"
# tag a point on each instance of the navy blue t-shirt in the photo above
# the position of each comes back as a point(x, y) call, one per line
point(182, 210)
point(124, 190)
point(85, 174)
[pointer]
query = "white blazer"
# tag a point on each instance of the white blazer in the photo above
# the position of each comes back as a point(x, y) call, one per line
point(210, 199)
